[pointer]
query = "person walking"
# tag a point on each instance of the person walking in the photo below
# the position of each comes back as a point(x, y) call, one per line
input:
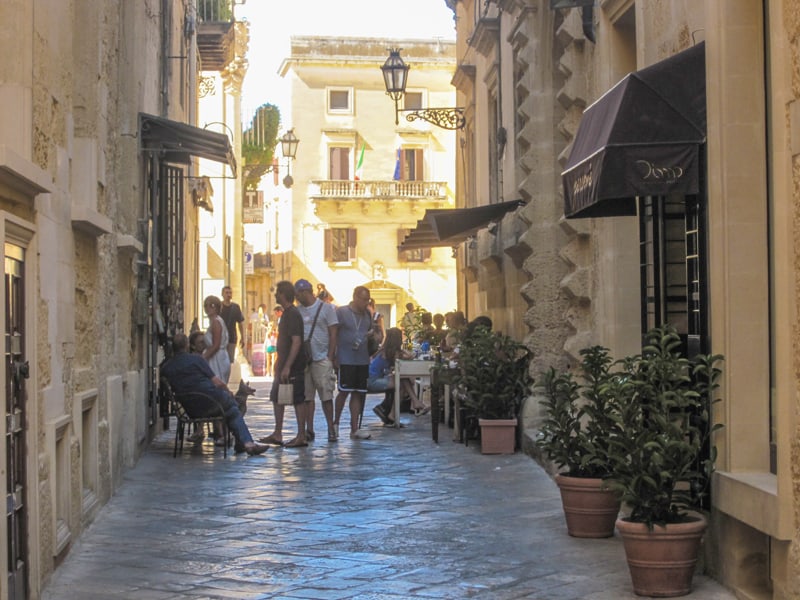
point(231, 314)
point(320, 326)
point(289, 368)
point(352, 360)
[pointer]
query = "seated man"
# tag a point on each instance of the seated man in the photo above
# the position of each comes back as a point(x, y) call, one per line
point(188, 373)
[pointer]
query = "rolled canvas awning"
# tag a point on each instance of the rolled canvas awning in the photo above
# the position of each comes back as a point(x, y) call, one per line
point(451, 226)
point(180, 141)
point(643, 137)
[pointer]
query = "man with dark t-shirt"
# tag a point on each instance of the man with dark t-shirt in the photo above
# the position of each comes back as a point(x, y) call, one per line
point(290, 367)
point(231, 313)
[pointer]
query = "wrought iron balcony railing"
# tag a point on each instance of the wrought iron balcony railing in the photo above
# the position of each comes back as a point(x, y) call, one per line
point(334, 189)
point(215, 34)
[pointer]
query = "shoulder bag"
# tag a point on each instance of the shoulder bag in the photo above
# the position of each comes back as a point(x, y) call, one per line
point(307, 342)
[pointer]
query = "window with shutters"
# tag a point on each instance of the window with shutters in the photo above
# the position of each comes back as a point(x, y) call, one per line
point(340, 244)
point(413, 255)
point(411, 164)
point(339, 163)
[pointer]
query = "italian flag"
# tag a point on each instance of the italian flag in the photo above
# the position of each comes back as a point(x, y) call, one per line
point(360, 163)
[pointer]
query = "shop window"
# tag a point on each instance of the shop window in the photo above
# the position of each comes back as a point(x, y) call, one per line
point(671, 267)
point(340, 244)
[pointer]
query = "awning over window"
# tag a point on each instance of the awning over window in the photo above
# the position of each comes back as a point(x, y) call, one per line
point(180, 142)
point(451, 226)
point(642, 137)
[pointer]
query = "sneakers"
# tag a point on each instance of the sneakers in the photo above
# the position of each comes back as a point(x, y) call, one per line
point(197, 436)
point(378, 410)
point(360, 434)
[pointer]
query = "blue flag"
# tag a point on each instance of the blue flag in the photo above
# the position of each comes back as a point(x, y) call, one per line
point(397, 166)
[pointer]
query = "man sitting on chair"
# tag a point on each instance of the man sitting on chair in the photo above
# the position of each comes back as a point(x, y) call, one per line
point(188, 374)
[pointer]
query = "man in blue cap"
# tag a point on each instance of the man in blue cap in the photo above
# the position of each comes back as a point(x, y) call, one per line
point(320, 327)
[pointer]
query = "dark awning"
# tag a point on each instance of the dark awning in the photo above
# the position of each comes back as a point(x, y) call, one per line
point(451, 226)
point(180, 142)
point(642, 137)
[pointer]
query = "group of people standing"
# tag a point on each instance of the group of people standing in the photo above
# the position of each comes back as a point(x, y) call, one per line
point(335, 359)
point(337, 353)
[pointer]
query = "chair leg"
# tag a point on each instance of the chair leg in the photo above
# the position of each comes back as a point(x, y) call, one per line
point(178, 427)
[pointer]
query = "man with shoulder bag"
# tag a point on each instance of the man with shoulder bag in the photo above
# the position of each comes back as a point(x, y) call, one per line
point(320, 326)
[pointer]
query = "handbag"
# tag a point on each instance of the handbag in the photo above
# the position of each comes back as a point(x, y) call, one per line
point(286, 394)
point(307, 342)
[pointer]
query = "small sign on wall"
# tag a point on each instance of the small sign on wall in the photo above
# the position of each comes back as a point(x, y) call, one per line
point(253, 209)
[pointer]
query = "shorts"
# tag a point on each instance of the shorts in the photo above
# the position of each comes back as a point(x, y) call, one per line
point(376, 385)
point(299, 388)
point(320, 379)
point(271, 349)
point(353, 378)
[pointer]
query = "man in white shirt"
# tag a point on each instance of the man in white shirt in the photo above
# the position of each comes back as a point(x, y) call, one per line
point(320, 377)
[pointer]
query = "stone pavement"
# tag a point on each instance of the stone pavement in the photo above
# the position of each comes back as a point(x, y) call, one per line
point(393, 517)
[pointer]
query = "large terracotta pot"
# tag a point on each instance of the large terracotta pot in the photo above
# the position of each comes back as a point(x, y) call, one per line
point(498, 436)
point(662, 561)
point(590, 511)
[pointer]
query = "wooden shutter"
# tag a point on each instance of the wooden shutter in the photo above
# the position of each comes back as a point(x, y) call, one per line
point(339, 163)
point(352, 238)
point(328, 246)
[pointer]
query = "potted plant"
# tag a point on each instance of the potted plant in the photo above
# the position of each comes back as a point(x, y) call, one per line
point(661, 465)
point(494, 379)
point(578, 427)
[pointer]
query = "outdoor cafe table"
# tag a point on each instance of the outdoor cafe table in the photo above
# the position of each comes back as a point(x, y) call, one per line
point(408, 368)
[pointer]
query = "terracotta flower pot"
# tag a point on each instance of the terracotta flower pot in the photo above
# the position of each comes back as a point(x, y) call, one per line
point(590, 511)
point(662, 561)
point(498, 436)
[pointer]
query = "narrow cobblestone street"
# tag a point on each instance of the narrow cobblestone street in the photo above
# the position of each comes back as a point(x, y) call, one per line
point(396, 516)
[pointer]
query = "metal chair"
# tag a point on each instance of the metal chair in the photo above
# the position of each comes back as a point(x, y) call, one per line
point(184, 421)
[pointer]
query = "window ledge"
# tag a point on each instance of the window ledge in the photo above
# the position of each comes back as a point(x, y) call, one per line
point(90, 221)
point(752, 498)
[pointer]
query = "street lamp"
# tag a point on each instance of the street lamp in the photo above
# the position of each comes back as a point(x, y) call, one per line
point(289, 144)
point(254, 171)
point(395, 77)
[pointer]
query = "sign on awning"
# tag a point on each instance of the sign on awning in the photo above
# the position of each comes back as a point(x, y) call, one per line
point(641, 138)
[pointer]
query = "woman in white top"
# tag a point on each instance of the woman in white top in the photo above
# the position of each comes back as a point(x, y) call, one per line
point(216, 339)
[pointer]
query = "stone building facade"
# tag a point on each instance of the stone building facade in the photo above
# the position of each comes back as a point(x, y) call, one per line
point(529, 73)
point(99, 159)
point(347, 222)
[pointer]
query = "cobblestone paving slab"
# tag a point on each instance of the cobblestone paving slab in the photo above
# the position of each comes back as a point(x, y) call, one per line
point(390, 518)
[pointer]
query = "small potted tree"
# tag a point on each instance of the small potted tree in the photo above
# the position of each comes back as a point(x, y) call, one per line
point(662, 463)
point(495, 379)
point(579, 424)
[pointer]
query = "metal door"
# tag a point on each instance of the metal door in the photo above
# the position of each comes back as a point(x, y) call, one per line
point(15, 415)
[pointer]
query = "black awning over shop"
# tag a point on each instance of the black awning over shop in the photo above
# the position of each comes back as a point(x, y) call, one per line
point(451, 226)
point(641, 138)
point(179, 142)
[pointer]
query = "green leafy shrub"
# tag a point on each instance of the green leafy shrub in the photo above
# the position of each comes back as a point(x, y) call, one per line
point(494, 374)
